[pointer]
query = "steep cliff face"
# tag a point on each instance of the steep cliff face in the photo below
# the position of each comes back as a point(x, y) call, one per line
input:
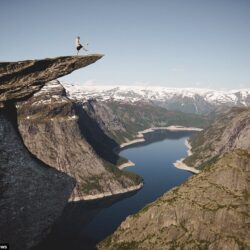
point(108, 121)
point(209, 211)
point(122, 121)
point(230, 131)
point(50, 126)
point(32, 195)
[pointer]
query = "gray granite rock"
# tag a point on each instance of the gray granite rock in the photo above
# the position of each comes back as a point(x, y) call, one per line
point(231, 130)
point(209, 211)
point(51, 128)
point(22, 79)
point(32, 194)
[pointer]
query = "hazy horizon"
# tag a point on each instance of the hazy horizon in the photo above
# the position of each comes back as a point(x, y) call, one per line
point(142, 85)
point(175, 44)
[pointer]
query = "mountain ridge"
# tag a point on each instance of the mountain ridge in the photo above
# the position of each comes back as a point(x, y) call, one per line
point(228, 132)
point(122, 121)
point(199, 101)
point(211, 209)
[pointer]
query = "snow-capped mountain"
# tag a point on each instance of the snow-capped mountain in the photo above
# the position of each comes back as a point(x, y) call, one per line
point(189, 100)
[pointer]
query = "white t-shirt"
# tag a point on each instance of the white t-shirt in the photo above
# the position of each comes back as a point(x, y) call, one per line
point(77, 42)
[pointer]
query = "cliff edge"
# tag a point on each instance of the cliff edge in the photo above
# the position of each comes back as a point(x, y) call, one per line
point(22, 79)
point(32, 194)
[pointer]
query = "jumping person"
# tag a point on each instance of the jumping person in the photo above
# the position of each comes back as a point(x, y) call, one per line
point(78, 45)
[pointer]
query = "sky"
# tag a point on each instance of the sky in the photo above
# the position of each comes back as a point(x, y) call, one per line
point(171, 43)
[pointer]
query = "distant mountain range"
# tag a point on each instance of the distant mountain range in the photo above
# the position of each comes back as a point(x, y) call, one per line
point(189, 100)
point(208, 211)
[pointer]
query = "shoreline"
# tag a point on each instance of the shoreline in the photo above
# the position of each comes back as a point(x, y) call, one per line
point(140, 138)
point(140, 135)
point(126, 164)
point(107, 194)
point(181, 165)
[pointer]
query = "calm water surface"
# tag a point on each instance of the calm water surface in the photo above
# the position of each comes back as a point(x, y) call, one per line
point(83, 224)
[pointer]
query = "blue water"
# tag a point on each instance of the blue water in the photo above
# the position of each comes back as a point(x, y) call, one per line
point(84, 224)
point(154, 162)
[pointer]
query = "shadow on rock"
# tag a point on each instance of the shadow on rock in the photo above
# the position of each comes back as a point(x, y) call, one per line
point(68, 231)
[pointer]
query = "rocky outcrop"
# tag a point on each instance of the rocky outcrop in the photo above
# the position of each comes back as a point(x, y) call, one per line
point(209, 211)
point(22, 79)
point(228, 132)
point(56, 132)
point(32, 195)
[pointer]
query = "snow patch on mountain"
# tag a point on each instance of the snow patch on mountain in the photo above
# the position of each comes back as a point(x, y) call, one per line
point(135, 93)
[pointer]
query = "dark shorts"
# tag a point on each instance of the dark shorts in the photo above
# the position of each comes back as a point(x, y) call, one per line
point(79, 47)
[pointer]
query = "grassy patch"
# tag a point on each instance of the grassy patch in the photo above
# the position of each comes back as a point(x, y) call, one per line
point(90, 184)
point(132, 245)
point(119, 174)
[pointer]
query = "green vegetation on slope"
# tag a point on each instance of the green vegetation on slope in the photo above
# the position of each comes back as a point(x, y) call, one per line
point(196, 214)
point(136, 117)
point(227, 132)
